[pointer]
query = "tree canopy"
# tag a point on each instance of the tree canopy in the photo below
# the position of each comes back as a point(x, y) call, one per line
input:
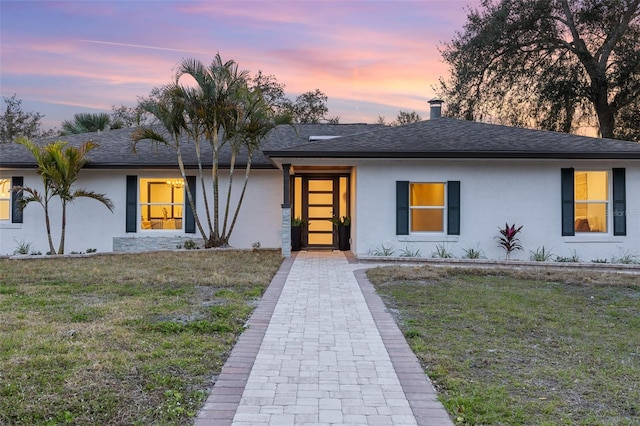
point(84, 122)
point(549, 64)
point(308, 107)
point(403, 117)
point(16, 123)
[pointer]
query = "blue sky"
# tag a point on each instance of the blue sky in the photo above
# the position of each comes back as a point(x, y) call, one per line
point(371, 58)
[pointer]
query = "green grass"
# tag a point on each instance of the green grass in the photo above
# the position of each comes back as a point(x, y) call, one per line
point(523, 348)
point(121, 339)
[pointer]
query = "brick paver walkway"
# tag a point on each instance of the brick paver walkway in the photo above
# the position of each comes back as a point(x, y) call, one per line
point(321, 350)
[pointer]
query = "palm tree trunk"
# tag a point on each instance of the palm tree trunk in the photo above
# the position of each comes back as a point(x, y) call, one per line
point(47, 221)
point(205, 198)
point(63, 229)
point(244, 188)
point(228, 203)
point(190, 197)
point(215, 176)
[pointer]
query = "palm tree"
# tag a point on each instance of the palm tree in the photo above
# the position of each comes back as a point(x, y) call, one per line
point(32, 194)
point(86, 122)
point(222, 110)
point(168, 108)
point(211, 107)
point(254, 119)
point(58, 166)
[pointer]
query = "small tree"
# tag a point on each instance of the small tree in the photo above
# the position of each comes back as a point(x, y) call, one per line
point(406, 117)
point(15, 123)
point(58, 166)
point(125, 116)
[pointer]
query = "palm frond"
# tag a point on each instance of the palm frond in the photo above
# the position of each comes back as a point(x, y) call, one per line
point(94, 195)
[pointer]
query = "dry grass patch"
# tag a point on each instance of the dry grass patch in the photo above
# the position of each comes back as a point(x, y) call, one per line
point(121, 339)
point(525, 347)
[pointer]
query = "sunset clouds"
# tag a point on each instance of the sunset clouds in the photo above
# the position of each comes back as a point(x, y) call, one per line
point(371, 58)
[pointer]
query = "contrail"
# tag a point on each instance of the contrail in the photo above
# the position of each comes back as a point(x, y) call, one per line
point(139, 46)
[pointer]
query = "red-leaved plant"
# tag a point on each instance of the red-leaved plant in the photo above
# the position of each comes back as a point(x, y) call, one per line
point(508, 240)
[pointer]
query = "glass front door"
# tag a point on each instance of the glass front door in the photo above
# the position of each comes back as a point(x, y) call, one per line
point(316, 200)
point(320, 209)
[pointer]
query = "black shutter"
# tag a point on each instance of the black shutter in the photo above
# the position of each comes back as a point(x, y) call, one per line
point(189, 218)
point(453, 207)
point(568, 207)
point(619, 203)
point(131, 212)
point(16, 197)
point(402, 207)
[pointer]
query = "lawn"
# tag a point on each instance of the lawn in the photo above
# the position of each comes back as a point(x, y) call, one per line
point(523, 348)
point(121, 339)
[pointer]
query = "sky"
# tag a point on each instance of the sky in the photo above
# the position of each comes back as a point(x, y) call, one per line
point(371, 58)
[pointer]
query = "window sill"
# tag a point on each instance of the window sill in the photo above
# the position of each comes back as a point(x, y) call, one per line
point(599, 239)
point(9, 225)
point(430, 238)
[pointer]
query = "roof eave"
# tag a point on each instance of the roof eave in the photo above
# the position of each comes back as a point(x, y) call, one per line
point(456, 154)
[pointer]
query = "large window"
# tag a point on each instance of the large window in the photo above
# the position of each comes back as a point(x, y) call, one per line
point(5, 199)
point(161, 203)
point(427, 207)
point(591, 189)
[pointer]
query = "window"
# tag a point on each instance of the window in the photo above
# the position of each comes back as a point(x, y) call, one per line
point(161, 204)
point(591, 192)
point(426, 206)
point(422, 207)
point(5, 199)
point(594, 202)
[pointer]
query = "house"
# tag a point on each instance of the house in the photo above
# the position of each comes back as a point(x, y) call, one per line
point(440, 183)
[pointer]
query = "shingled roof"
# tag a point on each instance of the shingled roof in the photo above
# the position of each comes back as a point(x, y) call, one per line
point(437, 138)
point(115, 148)
point(451, 138)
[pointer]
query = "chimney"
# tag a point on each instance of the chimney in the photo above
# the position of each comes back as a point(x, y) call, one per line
point(436, 108)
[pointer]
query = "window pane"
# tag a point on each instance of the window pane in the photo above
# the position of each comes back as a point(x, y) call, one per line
point(427, 194)
point(321, 185)
point(591, 186)
point(321, 212)
point(320, 198)
point(161, 203)
point(5, 209)
point(297, 197)
point(427, 220)
point(320, 225)
point(320, 239)
point(591, 217)
point(344, 202)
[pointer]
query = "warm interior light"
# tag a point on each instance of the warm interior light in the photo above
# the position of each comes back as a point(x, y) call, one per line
point(176, 183)
point(4, 188)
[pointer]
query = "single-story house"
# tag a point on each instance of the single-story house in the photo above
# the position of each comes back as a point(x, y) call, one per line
point(436, 184)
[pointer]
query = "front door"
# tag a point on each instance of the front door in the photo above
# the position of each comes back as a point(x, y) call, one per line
point(319, 201)
point(316, 199)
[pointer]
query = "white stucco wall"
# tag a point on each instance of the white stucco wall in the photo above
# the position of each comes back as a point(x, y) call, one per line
point(91, 225)
point(524, 192)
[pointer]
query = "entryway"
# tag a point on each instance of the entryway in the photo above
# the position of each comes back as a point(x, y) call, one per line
point(316, 200)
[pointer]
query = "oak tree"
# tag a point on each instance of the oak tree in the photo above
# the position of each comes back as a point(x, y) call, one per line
point(551, 64)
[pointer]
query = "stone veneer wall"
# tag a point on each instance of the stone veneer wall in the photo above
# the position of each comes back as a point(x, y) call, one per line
point(286, 232)
point(142, 244)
